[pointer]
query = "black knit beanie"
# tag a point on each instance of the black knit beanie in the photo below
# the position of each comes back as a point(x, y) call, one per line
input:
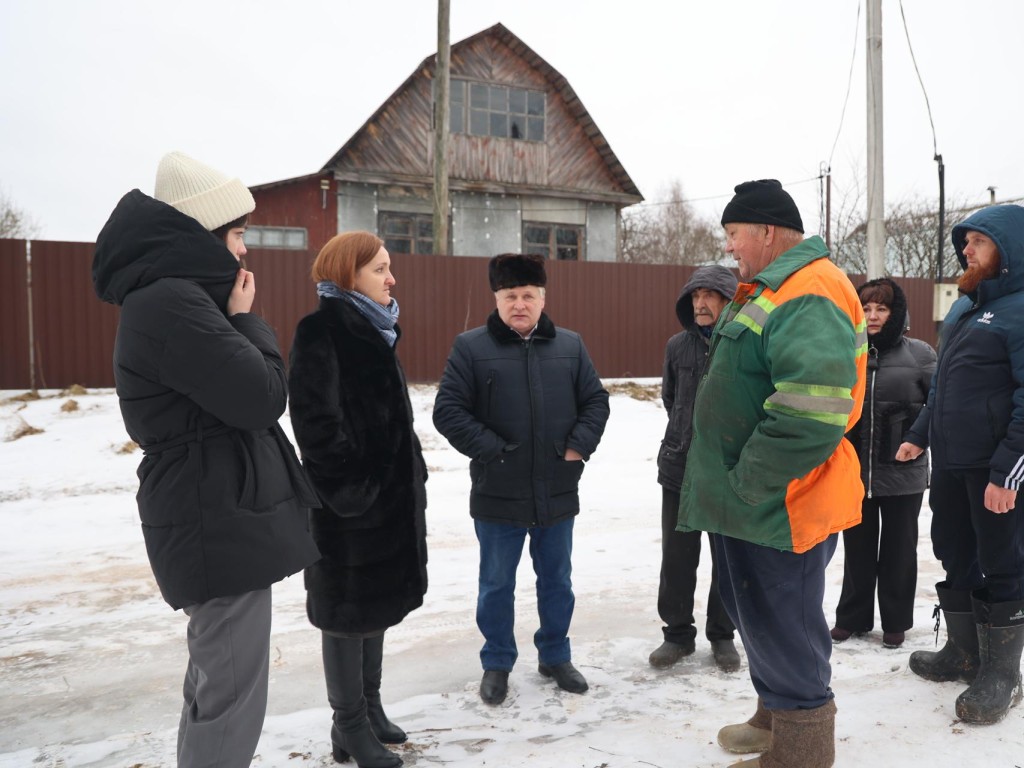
point(762, 202)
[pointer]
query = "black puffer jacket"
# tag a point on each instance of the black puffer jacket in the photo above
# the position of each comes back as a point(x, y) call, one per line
point(354, 425)
point(899, 376)
point(514, 406)
point(222, 497)
point(685, 356)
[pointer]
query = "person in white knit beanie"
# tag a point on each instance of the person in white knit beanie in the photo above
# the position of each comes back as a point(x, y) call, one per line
point(222, 499)
point(199, 191)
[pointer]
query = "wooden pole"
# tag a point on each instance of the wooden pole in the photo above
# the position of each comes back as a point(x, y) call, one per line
point(442, 126)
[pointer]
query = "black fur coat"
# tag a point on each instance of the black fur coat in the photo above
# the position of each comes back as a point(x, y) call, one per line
point(353, 424)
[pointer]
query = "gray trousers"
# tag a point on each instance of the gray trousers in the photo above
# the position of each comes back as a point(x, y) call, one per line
point(225, 689)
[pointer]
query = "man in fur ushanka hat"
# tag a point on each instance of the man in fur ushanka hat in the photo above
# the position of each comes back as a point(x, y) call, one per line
point(521, 398)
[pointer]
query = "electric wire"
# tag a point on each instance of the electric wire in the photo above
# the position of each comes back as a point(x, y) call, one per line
point(849, 83)
point(906, 31)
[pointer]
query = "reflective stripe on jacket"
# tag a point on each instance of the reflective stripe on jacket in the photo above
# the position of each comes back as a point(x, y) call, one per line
point(785, 381)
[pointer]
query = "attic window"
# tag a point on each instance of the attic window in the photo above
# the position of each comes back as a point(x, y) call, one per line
point(481, 109)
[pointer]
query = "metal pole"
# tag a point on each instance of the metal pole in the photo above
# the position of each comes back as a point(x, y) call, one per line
point(442, 126)
point(942, 214)
point(828, 210)
point(876, 188)
point(31, 319)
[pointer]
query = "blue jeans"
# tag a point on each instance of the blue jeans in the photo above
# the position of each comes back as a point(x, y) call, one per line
point(501, 547)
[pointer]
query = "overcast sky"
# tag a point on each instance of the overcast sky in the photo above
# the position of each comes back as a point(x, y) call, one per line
point(707, 93)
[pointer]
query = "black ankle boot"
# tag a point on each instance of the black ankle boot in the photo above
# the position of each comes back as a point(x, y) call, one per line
point(958, 658)
point(997, 687)
point(351, 734)
point(373, 661)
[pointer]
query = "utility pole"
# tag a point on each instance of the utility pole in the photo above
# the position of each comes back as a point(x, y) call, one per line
point(876, 188)
point(442, 124)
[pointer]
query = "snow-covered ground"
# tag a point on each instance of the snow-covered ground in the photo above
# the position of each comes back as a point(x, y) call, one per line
point(91, 659)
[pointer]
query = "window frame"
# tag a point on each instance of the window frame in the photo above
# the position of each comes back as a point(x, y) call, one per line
point(497, 110)
point(253, 230)
point(416, 221)
point(552, 245)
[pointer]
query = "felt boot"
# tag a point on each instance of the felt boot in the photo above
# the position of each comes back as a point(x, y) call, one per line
point(801, 738)
point(755, 735)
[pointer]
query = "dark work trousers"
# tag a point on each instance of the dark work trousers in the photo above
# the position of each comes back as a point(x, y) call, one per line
point(977, 547)
point(882, 548)
point(225, 686)
point(775, 600)
point(680, 556)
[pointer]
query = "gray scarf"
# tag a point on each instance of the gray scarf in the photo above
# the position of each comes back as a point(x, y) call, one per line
point(382, 318)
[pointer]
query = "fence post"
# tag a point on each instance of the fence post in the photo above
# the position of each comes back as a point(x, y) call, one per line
point(31, 321)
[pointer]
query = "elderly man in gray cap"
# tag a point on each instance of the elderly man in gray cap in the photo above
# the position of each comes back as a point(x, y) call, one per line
point(702, 300)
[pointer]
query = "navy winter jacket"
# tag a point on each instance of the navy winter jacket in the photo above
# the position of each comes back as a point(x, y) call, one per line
point(975, 412)
point(514, 406)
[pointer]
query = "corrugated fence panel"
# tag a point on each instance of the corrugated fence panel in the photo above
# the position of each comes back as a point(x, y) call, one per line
point(285, 292)
point(14, 349)
point(624, 312)
point(74, 331)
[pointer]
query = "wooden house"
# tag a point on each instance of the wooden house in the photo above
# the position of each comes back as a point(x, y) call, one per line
point(529, 171)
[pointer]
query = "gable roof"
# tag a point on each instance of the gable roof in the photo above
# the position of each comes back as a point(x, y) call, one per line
point(557, 82)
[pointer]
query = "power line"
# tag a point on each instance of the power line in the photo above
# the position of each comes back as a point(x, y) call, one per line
point(906, 31)
point(849, 81)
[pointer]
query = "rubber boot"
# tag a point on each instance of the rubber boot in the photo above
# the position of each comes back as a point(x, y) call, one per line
point(755, 735)
point(801, 738)
point(351, 735)
point(373, 661)
point(998, 684)
point(958, 658)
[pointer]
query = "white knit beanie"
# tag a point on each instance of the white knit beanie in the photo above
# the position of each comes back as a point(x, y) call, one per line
point(197, 190)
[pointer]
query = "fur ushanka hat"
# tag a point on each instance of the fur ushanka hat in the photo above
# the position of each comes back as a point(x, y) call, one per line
point(511, 270)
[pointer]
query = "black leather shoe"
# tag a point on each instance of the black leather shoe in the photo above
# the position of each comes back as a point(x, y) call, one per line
point(566, 675)
point(494, 686)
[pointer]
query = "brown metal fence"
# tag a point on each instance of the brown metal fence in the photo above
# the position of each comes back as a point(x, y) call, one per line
point(625, 312)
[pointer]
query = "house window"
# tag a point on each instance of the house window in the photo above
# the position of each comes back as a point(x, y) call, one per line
point(407, 232)
point(553, 241)
point(286, 238)
point(480, 109)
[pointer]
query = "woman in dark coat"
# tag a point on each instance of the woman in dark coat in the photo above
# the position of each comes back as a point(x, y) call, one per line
point(899, 376)
point(354, 426)
point(222, 498)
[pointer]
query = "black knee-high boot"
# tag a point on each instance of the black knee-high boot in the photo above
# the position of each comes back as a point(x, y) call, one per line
point(958, 658)
point(351, 735)
point(1000, 642)
point(373, 662)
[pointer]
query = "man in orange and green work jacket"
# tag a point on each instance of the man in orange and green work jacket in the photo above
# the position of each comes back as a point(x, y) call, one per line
point(769, 471)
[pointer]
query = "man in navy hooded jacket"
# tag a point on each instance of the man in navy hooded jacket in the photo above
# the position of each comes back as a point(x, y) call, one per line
point(974, 425)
